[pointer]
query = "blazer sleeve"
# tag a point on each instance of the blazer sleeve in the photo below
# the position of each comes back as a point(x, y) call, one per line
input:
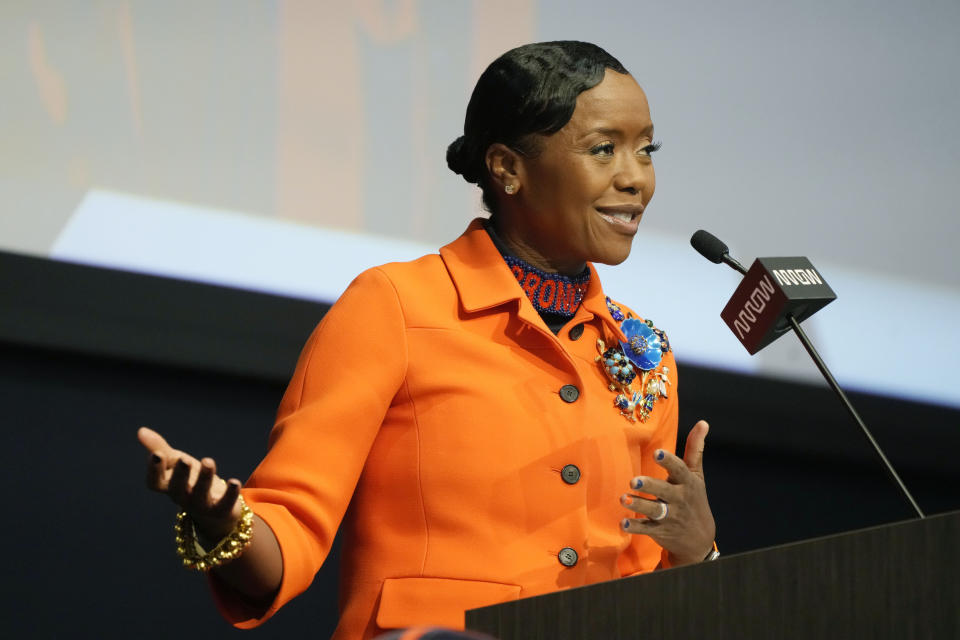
point(345, 380)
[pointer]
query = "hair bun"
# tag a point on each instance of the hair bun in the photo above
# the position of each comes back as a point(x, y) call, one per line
point(457, 160)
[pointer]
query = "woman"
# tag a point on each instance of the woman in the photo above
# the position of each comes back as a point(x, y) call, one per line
point(473, 419)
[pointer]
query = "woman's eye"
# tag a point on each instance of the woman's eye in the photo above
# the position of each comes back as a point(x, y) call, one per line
point(650, 148)
point(605, 149)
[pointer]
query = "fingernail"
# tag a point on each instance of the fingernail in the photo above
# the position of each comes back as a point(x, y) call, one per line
point(155, 459)
point(625, 523)
point(626, 500)
point(659, 454)
point(636, 483)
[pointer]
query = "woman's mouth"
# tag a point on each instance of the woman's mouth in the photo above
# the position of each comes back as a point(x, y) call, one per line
point(625, 218)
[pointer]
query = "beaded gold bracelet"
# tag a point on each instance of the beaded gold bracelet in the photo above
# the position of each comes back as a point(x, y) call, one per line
point(229, 548)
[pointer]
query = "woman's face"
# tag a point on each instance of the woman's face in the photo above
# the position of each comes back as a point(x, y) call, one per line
point(582, 197)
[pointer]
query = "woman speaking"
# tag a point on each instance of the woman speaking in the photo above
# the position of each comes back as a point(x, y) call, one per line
point(485, 424)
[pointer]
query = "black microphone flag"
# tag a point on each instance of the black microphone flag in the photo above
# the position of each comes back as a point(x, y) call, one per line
point(772, 290)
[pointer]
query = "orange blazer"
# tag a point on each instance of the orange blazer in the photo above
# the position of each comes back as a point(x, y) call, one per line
point(426, 417)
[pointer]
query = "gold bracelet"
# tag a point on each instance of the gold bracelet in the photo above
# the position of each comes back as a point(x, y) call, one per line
point(229, 548)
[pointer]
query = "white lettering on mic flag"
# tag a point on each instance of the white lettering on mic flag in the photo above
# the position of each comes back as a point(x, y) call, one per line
point(788, 277)
point(754, 306)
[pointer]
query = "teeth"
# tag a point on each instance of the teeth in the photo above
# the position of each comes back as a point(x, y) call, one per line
point(626, 218)
point(619, 217)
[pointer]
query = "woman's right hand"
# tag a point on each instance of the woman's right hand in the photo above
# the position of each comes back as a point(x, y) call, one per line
point(213, 505)
point(193, 484)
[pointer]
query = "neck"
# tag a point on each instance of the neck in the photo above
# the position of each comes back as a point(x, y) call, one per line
point(517, 244)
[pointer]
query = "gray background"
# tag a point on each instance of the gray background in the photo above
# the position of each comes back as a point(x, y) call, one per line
point(825, 129)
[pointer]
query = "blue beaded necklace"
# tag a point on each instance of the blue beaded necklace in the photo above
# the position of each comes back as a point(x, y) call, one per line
point(550, 293)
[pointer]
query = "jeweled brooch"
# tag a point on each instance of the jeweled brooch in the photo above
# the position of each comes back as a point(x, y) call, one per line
point(642, 351)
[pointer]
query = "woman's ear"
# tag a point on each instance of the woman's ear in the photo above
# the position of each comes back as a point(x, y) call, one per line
point(505, 167)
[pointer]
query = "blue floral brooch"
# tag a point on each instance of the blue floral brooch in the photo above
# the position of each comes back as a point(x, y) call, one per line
point(634, 367)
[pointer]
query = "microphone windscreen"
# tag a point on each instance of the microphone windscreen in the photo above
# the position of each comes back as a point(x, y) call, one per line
point(709, 246)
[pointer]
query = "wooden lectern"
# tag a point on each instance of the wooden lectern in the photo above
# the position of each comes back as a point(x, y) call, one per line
point(893, 581)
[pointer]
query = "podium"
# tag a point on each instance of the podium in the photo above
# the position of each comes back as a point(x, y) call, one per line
point(898, 581)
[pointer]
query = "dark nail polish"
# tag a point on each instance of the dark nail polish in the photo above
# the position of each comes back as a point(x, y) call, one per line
point(637, 483)
point(660, 454)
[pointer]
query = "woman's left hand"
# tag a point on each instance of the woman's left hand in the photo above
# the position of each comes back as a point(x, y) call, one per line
point(678, 518)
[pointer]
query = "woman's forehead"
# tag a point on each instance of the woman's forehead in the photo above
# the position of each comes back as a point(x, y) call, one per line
point(615, 104)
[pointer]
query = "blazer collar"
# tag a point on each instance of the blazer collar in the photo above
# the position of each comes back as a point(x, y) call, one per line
point(484, 281)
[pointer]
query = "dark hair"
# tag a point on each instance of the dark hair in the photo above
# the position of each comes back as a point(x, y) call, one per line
point(527, 91)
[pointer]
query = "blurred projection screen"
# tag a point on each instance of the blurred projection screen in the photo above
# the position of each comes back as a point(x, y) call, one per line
point(286, 146)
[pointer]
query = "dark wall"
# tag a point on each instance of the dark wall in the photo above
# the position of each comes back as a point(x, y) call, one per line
point(90, 551)
point(88, 355)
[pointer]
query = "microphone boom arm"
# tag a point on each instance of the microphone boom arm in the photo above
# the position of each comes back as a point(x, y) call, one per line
point(733, 263)
point(821, 365)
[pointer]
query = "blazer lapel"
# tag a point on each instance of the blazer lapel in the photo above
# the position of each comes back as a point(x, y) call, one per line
point(482, 278)
point(484, 281)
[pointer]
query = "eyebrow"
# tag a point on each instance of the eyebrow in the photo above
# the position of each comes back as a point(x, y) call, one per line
point(609, 131)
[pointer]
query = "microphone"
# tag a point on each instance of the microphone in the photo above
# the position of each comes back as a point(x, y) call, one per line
point(776, 294)
point(714, 250)
point(772, 290)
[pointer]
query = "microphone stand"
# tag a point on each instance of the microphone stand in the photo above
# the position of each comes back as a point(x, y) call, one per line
point(821, 365)
point(891, 472)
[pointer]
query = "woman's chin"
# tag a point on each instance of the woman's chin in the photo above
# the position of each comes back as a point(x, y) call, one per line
point(613, 255)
